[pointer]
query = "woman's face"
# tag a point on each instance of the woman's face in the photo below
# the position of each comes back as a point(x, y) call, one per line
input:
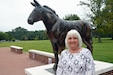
point(72, 42)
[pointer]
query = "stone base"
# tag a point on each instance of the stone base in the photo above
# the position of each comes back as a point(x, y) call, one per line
point(40, 70)
point(102, 68)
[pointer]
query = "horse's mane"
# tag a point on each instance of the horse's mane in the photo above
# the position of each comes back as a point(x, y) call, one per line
point(50, 9)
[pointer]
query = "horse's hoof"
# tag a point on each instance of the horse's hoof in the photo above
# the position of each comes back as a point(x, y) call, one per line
point(55, 68)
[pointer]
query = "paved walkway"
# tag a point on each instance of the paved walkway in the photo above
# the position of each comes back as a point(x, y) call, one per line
point(14, 64)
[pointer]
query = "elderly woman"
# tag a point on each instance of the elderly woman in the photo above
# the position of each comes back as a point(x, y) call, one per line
point(75, 60)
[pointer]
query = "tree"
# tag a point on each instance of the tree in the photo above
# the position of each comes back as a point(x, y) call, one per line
point(3, 36)
point(108, 17)
point(20, 33)
point(71, 17)
point(41, 35)
point(95, 7)
point(31, 35)
point(10, 36)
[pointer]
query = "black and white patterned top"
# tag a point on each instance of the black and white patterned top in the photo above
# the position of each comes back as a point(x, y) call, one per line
point(81, 63)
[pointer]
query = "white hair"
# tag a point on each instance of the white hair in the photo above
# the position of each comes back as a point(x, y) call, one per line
point(76, 34)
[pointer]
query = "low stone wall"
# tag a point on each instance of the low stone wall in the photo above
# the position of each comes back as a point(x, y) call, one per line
point(41, 56)
point(16, 49)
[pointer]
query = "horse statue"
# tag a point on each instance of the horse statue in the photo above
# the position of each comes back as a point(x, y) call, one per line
point(58, 28)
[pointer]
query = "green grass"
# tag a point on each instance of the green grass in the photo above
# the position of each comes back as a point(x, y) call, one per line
point(43, 45)
point(101, 51)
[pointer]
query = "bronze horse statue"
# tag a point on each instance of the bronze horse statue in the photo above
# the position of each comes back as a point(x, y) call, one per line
point(58, 28)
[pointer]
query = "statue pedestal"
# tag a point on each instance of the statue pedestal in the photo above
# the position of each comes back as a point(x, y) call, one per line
point(102, 68)
point(40, 70)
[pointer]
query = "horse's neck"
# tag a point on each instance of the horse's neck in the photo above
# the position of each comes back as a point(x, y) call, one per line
point(49, 24)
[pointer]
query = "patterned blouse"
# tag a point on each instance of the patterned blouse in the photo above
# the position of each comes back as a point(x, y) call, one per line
point(81, 63)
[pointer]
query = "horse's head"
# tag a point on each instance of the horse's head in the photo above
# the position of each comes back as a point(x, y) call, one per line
point(36, 13)
point(40, 12)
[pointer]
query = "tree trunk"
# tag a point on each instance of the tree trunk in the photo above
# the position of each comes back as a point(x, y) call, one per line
point(112, 33)
point(112, 36)
point(99, 39)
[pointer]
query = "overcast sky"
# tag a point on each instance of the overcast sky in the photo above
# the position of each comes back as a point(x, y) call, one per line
point(14, 13)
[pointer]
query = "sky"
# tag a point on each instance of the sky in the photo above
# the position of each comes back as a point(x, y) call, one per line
point(14, 13)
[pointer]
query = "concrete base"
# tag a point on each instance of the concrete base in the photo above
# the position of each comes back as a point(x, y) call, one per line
point(101, 67)
point(40, 70)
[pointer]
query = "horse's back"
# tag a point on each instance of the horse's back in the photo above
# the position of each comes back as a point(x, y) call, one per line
point(79, 25)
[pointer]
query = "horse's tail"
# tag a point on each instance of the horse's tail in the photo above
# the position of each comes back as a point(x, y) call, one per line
point(87, 35)
point(89, 32)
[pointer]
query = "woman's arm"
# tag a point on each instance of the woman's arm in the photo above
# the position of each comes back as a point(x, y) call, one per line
point(60, 65)
point(90, 66)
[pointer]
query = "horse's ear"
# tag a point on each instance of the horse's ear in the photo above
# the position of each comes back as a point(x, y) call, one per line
point(36, 3)
point(33, 4)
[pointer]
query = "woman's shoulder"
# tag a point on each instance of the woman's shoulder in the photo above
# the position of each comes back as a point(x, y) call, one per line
point(64, 51)
point(86, 51)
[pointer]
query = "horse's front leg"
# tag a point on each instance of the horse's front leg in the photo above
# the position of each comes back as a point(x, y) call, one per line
point(55, 50)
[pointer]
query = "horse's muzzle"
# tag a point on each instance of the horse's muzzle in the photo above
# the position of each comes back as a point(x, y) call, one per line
point(30, 22)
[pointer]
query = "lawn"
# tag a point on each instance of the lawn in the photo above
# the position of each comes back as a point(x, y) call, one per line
point(101, 51)
point(43, 45)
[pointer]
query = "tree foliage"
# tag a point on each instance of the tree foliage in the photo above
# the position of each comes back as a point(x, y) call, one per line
point(3, 36)
point(20, 33)
point(99, 14)
point(108, 17)
point(71, 17)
